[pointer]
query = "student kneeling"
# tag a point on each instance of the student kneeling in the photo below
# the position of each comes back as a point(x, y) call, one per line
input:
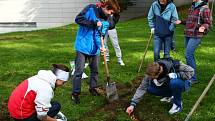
point(31, 99)
point(165, 79)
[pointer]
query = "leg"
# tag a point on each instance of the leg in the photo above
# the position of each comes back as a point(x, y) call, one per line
point(173, 41)
point(177, 86)
point(157, 47)
point(163, 91)
point(167, 46)
point(115, 42)
point(93, 64)
point(53, 111)
point(79, 69)
point(191, 44)
point(33, 117)
point(106, 45)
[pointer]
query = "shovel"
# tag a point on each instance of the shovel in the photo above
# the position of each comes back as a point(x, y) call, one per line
point(111, 89)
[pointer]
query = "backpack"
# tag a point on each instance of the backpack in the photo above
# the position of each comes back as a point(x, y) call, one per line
point(175, 64)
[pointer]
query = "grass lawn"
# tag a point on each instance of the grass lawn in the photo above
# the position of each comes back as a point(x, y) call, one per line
point(22, 54)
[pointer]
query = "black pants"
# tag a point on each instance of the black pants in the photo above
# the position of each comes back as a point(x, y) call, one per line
point(53, 111)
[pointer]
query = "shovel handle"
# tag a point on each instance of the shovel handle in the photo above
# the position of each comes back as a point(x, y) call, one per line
point(200, 98)
point(144, 55)
point(105, 62)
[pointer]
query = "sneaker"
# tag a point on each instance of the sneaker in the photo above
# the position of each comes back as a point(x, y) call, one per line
point(75, 98)
point(166, 99)
point(121, 63)
point(61, 116)
point(94, 92)
point(175, 109)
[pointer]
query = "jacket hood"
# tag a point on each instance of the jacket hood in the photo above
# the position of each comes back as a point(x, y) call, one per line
point(166, 65)
point(48, 76)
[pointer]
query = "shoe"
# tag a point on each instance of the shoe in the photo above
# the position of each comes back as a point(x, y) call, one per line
point(75, 98)
point(94, 92)
point(166, 99)
point(193, 82)
point(175, 109)
point(121, 63)
point(61, 116)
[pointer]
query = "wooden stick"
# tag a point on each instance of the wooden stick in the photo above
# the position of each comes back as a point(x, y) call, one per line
point(200, 98)
point(144, 55)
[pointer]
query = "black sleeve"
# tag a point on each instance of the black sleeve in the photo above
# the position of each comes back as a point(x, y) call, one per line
point(113, 20)
point(82, 20)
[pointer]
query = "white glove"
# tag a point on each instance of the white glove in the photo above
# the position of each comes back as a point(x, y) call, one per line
point(60, 120)
point(130, 109)
point(61, 117)
point(152, 30)
point(172, 75)
point(157, 83)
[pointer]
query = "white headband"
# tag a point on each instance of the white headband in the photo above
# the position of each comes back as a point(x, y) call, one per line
point(62, 75)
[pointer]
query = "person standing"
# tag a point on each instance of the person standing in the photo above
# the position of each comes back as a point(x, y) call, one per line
point(196, 26)
point(112, 34)
point(161, 18)
point(31, 99)
point(92, 21)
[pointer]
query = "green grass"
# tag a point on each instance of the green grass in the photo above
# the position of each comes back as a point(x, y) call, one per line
point(22, 54)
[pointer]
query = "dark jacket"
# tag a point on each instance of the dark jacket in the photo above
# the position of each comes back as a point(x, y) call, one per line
point(184, 72)
point(162, 21)
point(113, 20)
point(88, 35)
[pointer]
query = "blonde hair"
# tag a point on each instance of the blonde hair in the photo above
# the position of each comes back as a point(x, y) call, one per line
point(153, 69)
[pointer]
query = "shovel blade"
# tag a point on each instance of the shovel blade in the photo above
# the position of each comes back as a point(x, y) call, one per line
point(111, 91)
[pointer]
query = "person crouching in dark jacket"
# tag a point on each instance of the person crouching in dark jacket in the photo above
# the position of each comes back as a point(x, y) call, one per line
point(165, 80)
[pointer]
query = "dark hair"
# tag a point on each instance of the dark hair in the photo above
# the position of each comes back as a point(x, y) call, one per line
point(59, 66)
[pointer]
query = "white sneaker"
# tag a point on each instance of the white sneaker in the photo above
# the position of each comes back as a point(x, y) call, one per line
point(166, 99)
point(121, 63)
point(175, 109)
point(61, 116)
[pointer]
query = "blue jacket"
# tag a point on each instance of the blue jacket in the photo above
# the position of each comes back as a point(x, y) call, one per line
point(88, 35)
point(162, 22)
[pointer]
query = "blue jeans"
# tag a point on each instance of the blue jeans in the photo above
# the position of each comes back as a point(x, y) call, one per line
point(80, 60)
point(53, 111)
point(158, 41)
point(174, 88)
point(190, 45)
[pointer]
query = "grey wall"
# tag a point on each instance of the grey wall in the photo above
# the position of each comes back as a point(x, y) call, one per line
point(54, 13)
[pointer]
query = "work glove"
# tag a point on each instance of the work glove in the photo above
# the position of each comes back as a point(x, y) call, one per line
point(172, 75)
point(61, 117)
point(152, 30)
point(60, 120)
point(157, 83)
point(130, 109)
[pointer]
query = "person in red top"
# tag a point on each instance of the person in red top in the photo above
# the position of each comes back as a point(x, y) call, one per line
point(31, 99)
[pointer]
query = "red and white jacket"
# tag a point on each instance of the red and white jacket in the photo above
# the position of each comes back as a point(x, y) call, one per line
point(33, 96)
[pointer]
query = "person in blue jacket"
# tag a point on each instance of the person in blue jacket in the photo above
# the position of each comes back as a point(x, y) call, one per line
point(162, 18)
point(92, 21)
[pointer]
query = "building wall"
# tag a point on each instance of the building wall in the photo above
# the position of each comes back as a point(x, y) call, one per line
point(53, 13)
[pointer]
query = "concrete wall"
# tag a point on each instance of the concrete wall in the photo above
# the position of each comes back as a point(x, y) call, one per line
point(46, 13)
point(53, 13)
